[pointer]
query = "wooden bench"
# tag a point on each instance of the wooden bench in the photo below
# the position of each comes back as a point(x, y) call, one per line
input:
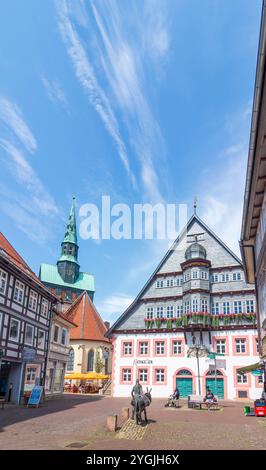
point(195, 401)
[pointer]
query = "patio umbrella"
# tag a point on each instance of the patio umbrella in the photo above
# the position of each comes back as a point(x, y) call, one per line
point(86, 376)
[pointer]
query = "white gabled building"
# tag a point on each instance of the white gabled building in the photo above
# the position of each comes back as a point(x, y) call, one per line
point(197, 297)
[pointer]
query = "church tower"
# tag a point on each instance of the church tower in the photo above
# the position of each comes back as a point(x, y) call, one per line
point(67, 265)
point(65, 278)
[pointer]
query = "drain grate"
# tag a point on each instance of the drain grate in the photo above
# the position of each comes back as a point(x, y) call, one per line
point(78, 445)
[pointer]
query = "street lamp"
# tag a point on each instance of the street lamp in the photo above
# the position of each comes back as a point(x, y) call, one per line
point(198, 350)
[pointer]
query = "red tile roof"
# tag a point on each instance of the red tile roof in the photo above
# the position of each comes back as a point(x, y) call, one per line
point(90, 325)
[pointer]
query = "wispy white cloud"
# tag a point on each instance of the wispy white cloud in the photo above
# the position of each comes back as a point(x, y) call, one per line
point(24, 174)
point(124, 68)
point(85, 74)
point(113, 306)
point(113, 56)
point(26, 201)
point(55, 92)
point(11, 116)
point(221, 200)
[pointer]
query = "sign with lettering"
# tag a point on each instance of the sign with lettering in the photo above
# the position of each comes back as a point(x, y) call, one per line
point(143, 361)
point(35, 395)
point(28, 354)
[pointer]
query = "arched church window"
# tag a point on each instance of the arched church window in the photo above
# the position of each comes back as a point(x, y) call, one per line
point(70, 359)
point(90, 361)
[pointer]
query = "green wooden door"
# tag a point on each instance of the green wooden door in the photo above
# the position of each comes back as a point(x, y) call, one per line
point(184, 386)
point(210, 383)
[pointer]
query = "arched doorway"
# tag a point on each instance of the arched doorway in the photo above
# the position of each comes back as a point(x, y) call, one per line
point(212, 384)
point(90, 365)
point(184, 382)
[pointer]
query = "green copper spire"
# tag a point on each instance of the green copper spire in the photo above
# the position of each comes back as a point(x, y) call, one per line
point(67, 265)
point(71, 229)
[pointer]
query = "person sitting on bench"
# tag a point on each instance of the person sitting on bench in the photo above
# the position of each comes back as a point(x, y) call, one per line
point(209, 397)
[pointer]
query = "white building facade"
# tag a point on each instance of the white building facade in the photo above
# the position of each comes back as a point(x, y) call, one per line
point(58, 354)
point(196, 302)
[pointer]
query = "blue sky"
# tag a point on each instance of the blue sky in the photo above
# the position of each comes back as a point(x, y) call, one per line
point(145, 101)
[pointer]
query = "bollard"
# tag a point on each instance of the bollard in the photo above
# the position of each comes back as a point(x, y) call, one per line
point(112, 423)
point(125, 414)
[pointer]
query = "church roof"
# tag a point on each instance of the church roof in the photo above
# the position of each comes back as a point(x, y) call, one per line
point(71, 229)
point(12, 256)
point(89, 323)
point(50, 275)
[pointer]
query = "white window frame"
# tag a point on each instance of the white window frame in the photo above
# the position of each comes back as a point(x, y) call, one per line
point(127, 348)
point(226, 308)
point(241, 378)
point(204, 305)
point(56, 328)
point(33, 300)
point(159, 283)
point(29, 343)
point(19, 292)
point(143, 375)
point(241, 344)
point(64, 335)
point(176, 347)
point(215, 308)
point(159, 375)
point(179, 310)
point(42, 344)
point(220, 346)
point(3, 281)
point(170, 311)
point(16, 339)
point(187, 306)
point(143, 348)
point(44, 307)
point(170, 283)
point(159, 348)
point(238, 308)
point(194, 305)
point(159, 311)
point(149, 312)
point(250, 306)
point(126, 374)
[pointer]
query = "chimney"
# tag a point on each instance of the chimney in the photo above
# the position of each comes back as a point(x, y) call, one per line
point(107, 324)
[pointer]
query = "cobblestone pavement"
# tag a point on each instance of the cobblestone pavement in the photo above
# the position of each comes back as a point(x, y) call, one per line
point(130, 430)
point(79, 422)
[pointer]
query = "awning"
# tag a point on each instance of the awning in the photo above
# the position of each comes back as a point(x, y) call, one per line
point(87, 376)
point(244, 370)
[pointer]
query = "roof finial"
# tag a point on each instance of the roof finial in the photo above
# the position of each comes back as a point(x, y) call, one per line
point(195, 204)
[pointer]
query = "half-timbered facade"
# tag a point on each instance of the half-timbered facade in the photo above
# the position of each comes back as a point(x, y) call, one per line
point(25, 312)
point(195, 303)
